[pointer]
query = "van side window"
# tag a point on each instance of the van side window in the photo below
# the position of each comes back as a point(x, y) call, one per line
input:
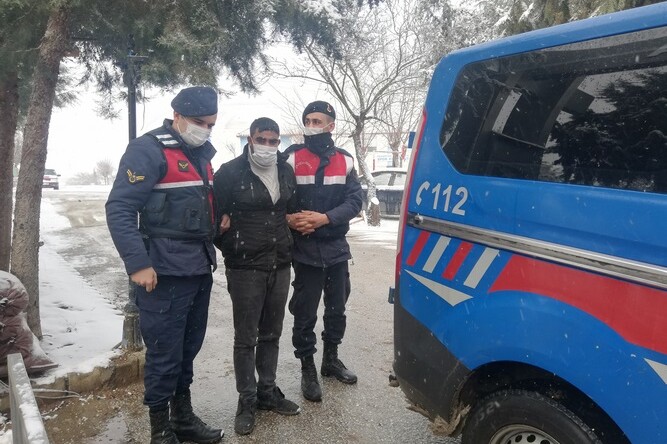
point(590, 113)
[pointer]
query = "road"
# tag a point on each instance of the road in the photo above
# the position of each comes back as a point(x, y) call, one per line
point(369, 412)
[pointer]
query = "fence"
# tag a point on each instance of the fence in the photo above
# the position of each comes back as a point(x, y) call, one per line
point(27, 425)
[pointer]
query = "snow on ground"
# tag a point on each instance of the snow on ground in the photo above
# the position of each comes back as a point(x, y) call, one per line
point(80, 326)
point(384, 236)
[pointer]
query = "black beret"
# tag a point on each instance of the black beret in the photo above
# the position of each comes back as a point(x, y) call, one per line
point(318, 106)
point(264, 124)
point(196, 101)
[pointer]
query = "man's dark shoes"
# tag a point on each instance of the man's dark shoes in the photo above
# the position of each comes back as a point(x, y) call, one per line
point(187, 426)
point(244, 423)
point(275, 401)
point(332, 366)
point(310, 386)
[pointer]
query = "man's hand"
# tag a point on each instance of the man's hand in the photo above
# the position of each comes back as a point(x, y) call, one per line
point(307, 221)
point(225, 223)
point(146, 278)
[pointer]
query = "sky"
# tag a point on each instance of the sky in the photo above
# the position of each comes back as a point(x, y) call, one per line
point(73, 313)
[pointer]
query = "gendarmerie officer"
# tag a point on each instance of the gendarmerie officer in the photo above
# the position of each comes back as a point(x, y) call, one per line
point(165, 177)
point(328, 197)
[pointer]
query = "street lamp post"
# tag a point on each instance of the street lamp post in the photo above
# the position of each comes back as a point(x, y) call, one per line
point(131, 333)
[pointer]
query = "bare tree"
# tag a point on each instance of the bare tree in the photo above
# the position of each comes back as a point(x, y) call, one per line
point(399, 114)
point(231, 147)
point(371, 69)
point(83, 178)
point(105, 169)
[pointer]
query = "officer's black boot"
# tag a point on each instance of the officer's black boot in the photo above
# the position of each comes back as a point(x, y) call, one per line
point(310, 386)
point(332, 366)
point(187, 426)
point(161, 432)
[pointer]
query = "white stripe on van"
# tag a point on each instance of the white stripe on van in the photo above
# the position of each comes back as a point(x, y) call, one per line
point(451, 296)
point(436, 254)
point(659, 368)
point(483, 264)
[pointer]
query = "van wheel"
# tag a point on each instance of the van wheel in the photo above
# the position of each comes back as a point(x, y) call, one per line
point(521, 417)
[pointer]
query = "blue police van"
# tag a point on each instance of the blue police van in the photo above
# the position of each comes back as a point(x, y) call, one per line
point(530, 302)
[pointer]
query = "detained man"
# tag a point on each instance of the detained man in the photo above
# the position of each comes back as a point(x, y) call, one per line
point(253, 194)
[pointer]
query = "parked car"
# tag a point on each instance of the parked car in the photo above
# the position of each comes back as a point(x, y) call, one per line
point(50, 179)
point(389, 183)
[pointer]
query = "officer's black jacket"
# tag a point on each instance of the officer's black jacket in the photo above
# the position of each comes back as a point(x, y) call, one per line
point(340, 201)
point(259, 237)
point(141, 168)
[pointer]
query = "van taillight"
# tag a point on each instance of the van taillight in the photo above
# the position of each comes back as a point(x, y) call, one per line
point(406, 197)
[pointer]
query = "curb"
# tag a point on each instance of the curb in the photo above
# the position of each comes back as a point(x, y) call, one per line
point(121, 371)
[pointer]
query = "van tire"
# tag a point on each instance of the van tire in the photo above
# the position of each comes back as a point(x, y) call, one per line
point(521, 416)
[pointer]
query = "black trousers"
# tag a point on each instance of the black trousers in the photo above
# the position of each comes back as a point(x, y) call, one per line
point(309, 284)
point(172, 319)
point(258, 301)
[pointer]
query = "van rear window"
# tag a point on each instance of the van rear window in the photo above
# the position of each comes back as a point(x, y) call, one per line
point(590, 113)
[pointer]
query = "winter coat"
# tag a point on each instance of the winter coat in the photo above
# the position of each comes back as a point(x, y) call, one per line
point(258, 237)
point(169, 185)
point(327, 184)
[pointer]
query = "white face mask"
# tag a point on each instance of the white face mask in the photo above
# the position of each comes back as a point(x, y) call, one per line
point(195, 135)
point(311, 131)
point(264, 155)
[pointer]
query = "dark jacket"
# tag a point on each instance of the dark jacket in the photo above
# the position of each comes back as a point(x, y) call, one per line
point(259, 237)
point(326, 184)
point(169, 184)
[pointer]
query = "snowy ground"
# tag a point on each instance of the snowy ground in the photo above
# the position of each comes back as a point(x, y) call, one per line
point(80, 326)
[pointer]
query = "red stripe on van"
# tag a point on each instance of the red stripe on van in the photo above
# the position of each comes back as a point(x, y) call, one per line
point(457, 260)
point(635, 312)
point(419, 246)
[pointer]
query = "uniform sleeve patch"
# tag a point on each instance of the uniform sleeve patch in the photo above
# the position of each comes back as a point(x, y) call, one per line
point(133, 177)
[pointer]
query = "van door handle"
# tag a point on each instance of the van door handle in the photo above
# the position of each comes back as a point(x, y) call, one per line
point(419, 220)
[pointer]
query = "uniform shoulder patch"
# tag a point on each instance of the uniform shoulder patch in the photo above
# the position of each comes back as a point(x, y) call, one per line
point(133, 177)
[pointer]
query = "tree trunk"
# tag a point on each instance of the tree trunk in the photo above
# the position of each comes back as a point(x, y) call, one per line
point(9, 109)
point(373, 209)
point(394, 146)
point(25, 238)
